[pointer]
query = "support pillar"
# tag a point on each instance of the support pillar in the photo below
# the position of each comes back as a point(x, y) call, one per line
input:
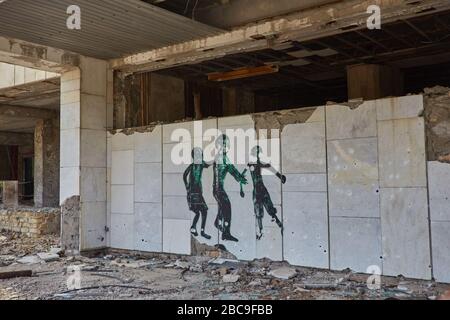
point(238, 101)
point(46, 163)
point(372, 81)
point(84, 122)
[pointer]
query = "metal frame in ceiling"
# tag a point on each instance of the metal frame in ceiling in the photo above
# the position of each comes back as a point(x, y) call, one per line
point(321, 63)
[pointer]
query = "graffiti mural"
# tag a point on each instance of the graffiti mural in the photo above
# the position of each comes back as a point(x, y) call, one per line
point(261, 197)
point(222, 166)
point(192, 178)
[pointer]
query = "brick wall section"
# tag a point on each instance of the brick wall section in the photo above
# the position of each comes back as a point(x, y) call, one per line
point(31, 222)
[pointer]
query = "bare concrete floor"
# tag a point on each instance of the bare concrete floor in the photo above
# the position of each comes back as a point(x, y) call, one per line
point(118, 276)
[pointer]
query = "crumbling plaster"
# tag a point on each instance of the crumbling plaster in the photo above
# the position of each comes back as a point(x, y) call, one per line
point(308, 24)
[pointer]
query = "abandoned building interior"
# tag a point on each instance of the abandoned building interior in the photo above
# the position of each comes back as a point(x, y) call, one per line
point(86, 118)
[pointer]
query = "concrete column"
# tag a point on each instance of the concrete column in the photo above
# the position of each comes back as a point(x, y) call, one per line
point(46, 163)
point(237, 101)
point(372, 81)
point(84, 121)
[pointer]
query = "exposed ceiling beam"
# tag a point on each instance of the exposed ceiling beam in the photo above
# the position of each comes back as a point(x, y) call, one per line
point(354, 46)
point(362, 34)
point(417, 29)
point(242, 73)
point(16, 139)
point(26, 112)
point(396, 37)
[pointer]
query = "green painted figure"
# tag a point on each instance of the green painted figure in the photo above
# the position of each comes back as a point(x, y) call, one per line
point(192, 178)
point(261, 197)
point(223, 166)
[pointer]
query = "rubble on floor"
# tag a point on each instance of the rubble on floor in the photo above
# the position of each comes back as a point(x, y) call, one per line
point(122, 276)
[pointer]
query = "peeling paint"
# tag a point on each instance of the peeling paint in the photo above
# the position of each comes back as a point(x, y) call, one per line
point(280, 119)
point(70, 59)
point(33, 51)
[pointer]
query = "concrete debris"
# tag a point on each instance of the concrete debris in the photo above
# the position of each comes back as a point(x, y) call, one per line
point(48, 256)
point(221, 261)
point(196, 268)
point(255, 283)
point(7, 258)
point(299, 289)
point(56, 250)
point(283, 273)
point(230, 278)
point(404, 289)
point(29, 260)
point(181, 264)
point(117, 276)
point(131, 264)
point(320, 286)
point(84, 267)
point(222, 271)
point(65, 296)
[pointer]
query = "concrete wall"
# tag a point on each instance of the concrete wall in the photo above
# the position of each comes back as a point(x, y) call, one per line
point(12, 75)
point(356, 191)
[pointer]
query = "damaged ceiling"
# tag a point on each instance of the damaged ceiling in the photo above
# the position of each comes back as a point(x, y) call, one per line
point(21, 106)
point(109, 28)
point(318, 67)
point(228, 14)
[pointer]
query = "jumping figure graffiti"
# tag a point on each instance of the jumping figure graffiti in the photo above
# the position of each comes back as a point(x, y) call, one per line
point(261, 197)
point(192, 178)
point(222, 167)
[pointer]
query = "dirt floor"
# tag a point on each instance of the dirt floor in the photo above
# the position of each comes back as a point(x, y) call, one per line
point(118, 276)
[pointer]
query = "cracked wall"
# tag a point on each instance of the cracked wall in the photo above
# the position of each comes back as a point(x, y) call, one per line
point(353, 173)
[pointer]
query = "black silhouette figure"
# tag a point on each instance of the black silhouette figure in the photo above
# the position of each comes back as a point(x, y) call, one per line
point(222, 167)
point(192, 178)
point(261, 197)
